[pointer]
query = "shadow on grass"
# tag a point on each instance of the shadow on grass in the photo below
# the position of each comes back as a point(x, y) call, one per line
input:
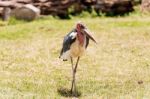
point(67, 93)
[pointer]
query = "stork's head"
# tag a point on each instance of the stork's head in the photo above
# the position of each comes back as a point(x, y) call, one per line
point(80, 26)
point(81, 29)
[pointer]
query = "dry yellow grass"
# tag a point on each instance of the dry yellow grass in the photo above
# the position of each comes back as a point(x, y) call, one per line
point(118, 67)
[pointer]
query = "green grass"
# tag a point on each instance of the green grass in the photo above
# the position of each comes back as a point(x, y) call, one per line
point(118, 67)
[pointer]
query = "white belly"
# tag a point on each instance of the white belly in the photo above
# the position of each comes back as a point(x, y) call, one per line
point(76, 49)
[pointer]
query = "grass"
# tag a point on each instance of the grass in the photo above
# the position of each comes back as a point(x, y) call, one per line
point(117, 67)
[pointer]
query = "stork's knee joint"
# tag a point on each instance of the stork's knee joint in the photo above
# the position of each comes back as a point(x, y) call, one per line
point(75, 71)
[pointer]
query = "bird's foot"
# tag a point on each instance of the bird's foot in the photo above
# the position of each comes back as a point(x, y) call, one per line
point(71, 91)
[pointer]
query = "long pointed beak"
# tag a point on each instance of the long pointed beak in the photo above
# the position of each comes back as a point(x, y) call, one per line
point(87, 33)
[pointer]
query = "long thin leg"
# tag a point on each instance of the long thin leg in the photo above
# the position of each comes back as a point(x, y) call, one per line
point(71, 62)
point(76, 64)
point(74, 73)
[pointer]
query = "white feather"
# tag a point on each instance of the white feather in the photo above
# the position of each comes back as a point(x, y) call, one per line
point(65, 55)
point(73, 35)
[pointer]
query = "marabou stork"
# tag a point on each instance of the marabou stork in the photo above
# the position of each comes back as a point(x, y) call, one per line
point(74, 45)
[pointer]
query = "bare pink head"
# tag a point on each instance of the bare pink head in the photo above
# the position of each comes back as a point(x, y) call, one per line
point(82, 30)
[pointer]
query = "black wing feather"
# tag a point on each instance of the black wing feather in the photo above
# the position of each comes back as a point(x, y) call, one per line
point(67, 42)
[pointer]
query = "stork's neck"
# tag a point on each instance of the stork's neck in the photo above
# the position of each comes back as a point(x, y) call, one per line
point(80, 37)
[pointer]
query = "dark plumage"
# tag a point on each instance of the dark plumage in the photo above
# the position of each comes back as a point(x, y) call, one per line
point(67, 42)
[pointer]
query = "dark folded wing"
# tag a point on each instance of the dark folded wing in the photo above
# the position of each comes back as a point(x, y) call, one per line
point(68, 40)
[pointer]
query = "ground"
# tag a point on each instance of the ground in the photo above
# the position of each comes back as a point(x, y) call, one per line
point(118, 67)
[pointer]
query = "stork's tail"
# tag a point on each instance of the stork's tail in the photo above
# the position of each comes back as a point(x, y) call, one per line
point(65, 55)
